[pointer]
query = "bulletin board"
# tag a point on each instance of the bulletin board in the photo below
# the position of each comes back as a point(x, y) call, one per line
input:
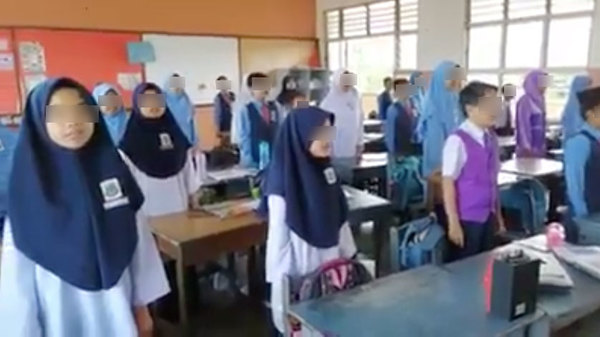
point(269, 54)
point(88, 57)
point(199, 59)
point(9, 92)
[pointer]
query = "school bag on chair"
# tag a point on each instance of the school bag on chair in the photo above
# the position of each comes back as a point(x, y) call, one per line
point(530, 199)
point(408, 186)
point(418, 243)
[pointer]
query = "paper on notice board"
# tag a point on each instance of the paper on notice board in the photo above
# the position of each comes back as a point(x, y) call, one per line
point(32, 80)
point(7, 61)
point(32, 57)
point(3, 44)
point(128, 81)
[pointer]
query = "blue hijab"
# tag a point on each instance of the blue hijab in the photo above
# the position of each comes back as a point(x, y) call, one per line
point(142, 140)
point(315, 209)
point(439, 117)
point(116, 122)
point(73, 212)
point(8, 141)
point(182, 109)
point(571, 118)
point(417, 99)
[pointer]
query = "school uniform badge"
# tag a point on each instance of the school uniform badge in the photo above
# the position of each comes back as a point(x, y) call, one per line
point(113, 194)
point(166, 143)
point(330, 176)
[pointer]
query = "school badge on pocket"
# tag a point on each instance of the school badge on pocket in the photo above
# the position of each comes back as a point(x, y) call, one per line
point(330, 175)
point(112, 194)
point(166, 143)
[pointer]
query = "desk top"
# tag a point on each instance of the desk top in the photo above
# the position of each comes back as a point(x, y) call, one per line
point(532, 167)
point(360, 201)
point(372, 137)
point(229, 174)
point(367, 161)
point(426, 302)
point(507, 141)
point(372, 122)
point(507, 179)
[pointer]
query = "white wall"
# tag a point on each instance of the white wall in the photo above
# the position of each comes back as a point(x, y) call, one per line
point(442, 33)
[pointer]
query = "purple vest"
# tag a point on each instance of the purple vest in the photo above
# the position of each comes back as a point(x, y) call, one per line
point(477, 186)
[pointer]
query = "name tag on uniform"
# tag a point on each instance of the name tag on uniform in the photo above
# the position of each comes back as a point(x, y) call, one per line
point(330, 176)
point(113, 194)
point(166, 143)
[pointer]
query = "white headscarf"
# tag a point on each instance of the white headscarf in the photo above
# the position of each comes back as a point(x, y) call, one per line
point(346, 106)
point(243, 97)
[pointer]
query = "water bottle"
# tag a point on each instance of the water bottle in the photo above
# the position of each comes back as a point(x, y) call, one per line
point(555, 235)
point(264, 155)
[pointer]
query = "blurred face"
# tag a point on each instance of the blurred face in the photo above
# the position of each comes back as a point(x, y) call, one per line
point(320, 147)
point(544, 82)
point(402, 91)
point(487, 109)
point(69, 122)
point(260, 88)
point(347, 81)
point(388, 85)
point(223, 85)
point(177, 84)
point(110, 103)
point(509, 92)
point(152, 104)
point(455, 79)
point(593, 117)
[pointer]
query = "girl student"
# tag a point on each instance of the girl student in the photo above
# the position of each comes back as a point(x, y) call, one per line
point(8, 141)
point(307, 206)
point(113, 111)
point(531, 116)
point(78, 258)
point(571, 120)
point(159, 155)
point(180, 105)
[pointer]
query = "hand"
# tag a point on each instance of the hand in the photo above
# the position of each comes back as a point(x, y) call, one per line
point(455, 234)
point(500, 224)
point(143, 321)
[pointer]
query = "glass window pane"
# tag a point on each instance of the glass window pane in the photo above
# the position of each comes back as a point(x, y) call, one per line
point(409, 15)
point(333, 24)
point(484, 47)
point(557, 94)
point(570, 6)
point(334, 55)
point(526, 8)
point(487, 10)
point(569, 42)
point(382, 17)
point(408, 51)
point(372, 59)
point(355, 21)
point(486, 78)
point(524, 45)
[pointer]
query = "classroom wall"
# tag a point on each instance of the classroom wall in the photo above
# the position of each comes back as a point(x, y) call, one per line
point(292, 18)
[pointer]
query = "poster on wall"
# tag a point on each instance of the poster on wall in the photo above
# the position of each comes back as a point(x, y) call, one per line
point(129, 81)
point(32, 57)
point(7, 62)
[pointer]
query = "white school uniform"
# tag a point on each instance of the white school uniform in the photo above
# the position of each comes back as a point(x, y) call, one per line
point(288, 254)
point(455, 152)
point(36, 303)
point(169, 195)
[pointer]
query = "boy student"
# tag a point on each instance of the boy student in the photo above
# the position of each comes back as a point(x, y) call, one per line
point(259, 123)
point(503, 122)
point(582, 158)
point(470, 170)
point(223, 103)
point(399, 125)
point(384, 100)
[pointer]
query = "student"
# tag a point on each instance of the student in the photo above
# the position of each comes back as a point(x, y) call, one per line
point(531, 117)
point(582, 157)
point(181, 106)
point(159, 155)
point(384, 100)
point(503, 124)
point(438, 120)
point(78, 258)
point(113, 111)
point(572, 120)
point(260, 120)
point(417, 100)
point(399, 124)
point(344, 101)
point(288, 94)
point(470, 173)
point(308, 211)
point(223, 104)
point(243, 98)
point(8, 141)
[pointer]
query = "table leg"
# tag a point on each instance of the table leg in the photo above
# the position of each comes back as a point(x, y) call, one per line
point(181, 290)
point(381, 236)
point(251, 271)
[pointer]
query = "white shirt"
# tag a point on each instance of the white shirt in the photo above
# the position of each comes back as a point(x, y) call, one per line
point(288, 254)
point(36, 303)
point(454, 155)
point(502, 118)
point(169, 195)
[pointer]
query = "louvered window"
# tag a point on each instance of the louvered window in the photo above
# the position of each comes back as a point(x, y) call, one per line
point(487, 10)
point(382, 16)
point(518, 9)
point(355, 21)
point(333, 25)
point(571, 6)
point(409, 15)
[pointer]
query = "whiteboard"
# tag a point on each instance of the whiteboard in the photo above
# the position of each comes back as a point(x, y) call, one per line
point(199, 59)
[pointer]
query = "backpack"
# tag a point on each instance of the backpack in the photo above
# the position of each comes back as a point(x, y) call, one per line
point(332, 277)
point(418, 243)
point(407, 184)
point(530, 199)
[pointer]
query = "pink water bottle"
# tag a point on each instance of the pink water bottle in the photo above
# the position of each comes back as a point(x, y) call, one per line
point(555, 235)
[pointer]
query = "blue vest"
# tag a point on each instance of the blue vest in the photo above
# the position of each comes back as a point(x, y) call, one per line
point(225, 117)
point(260, 130)
point(592, 176)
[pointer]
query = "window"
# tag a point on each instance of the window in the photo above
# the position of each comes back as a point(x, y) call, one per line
point(375, 40)
point(509, 37)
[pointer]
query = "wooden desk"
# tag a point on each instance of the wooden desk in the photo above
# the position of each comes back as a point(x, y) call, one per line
point(373, 142)
point(557, 154)
point(194, 238)
point(532, 167)
point(373, 125)
point(370, 166)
